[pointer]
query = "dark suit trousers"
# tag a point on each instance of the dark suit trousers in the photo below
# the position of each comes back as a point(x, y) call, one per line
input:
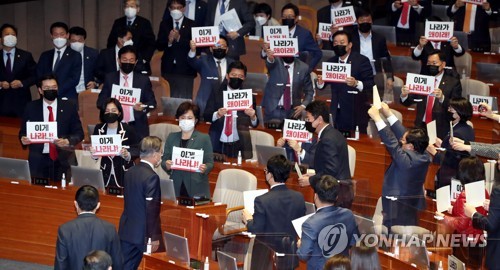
point(399, 212)
point(279, 113)
point(132, 255)
point(42, 166)
point(346, 194)
point(181, 86)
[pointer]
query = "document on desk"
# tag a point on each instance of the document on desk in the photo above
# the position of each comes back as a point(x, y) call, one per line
point(443, 200)
point(249, 198)
point(474, 192)
point(297, 224)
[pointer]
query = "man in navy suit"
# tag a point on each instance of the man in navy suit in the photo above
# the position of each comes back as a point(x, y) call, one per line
point(425, 47)
point(140, 220)
point(173, 39)
point(236, 42)
point(403, 188)
point(350, 100)
point(107, 60)
point(51, 160)
point(86, 233)
point(135, 116)
point(211, 67)
point(289, 88)
point(62, 61)
point(195, 10)
point(329, 221)
point(404, 16)
point(17, 74)
point(142, 34)
point(77, 36)
point(324, 15)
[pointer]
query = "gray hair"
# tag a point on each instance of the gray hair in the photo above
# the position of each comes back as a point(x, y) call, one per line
point(137, 2)
point(149, 146)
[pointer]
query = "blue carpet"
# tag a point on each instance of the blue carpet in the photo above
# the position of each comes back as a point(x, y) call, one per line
point(16, 265)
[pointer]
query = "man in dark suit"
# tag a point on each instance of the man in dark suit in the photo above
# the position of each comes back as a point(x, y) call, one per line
point(173, 39)
point(350, 100)
point(195, 10)
point(229, 130)
point(51, 160)
point(211, 67)
point(403, 188)
point(77, 36)
point(17, 74)
point(324, 15)
point(405, 16)
point(135, 116)
point(450, 49)
point(236, 43)
point(107, 61)
point(142, 33)
point(289, 88)
point(329, 222)
point(140, 221)
point(331, 156)
point(62, 61)
point(479, 37)
point(78, 237)
point(434, 106)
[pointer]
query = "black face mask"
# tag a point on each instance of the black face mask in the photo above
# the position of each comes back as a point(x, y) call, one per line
point(235, 83)
point(219, 53)
point(309, 127)
point(433, 70)
point(50, 95)
point(365, 27)
point(340, 50)
point(289, 22)
point(288, 60)
point(449, 116)
point(110, 117)
point(127, 67)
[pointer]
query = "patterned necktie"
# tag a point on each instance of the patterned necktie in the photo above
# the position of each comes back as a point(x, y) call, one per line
point(219, 70)
point(52, 147)
point(228, 128)
point(287, 100)
point(430, 105)
point(404, 13)
point(126, 108)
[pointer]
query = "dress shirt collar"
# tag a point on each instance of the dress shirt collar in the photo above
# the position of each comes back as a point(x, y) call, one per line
point(321, 131)
point(278, 184)
point(149, 163)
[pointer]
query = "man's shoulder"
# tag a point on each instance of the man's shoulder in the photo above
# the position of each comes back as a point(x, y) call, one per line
point(142, 20)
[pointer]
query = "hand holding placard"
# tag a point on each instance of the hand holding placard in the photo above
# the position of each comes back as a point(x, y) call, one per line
point(205, 36)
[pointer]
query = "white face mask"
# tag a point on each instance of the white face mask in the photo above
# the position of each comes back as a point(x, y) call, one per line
point(260, 20)
point(9, 41)
point(176, 14)
point(128, 42)
point(77, 46)
point(130, 12)
point(186, 125)
point(59, 42)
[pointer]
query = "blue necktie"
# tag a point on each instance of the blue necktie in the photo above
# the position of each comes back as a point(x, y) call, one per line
point(177, 26)
point(57, 60)
point(222, 11)
point(8, 65)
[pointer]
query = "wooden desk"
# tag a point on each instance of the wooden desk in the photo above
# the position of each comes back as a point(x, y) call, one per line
point(162, 261)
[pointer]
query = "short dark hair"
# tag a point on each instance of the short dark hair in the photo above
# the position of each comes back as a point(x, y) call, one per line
point(342, 32)
point(49, 76)
point(5, 26)
point(363, 12)
point(338, 262)
point(87, 198)
point(237, 65)
point(319, 108)
point(470, 169)
point(122, 32)
point(127, 49)
point(291, 6)
point(441, 54)
point(118, 106)
point(58, 25)
point(79, 31)
point(364, 257)
point(463, 108)
point(279, 167)
point(418, 138)
point(97, 260)
point(186, 106)
point(327, 188)
point(263, 8)
point(180, 2)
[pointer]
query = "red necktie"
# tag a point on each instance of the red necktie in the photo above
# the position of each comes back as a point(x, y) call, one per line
point(228, 129)
point(287, 100)
point(52, 147)
point(404, 13)
point(430, 104)
point(126, 108)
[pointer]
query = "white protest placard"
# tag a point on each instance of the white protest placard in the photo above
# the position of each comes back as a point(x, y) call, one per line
point(335, 72)
point(205, 36)
point(420, 84)
point(475, 100)
point(249, 198)
point(343, 16)
point(186, 159)
point(237, 100)
point(296, 130)
point(275, 32)
point(474, 192)
point(126, 95)
point(456, 188)
point(431, 131)
point(376, 98)
point(106, 145)
point(231, 21)
point(297, 224)
point(443, 200)
point(284, 47)
point(41, 132)
point(324, 31)
point(475, 2)
point(438, 31)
